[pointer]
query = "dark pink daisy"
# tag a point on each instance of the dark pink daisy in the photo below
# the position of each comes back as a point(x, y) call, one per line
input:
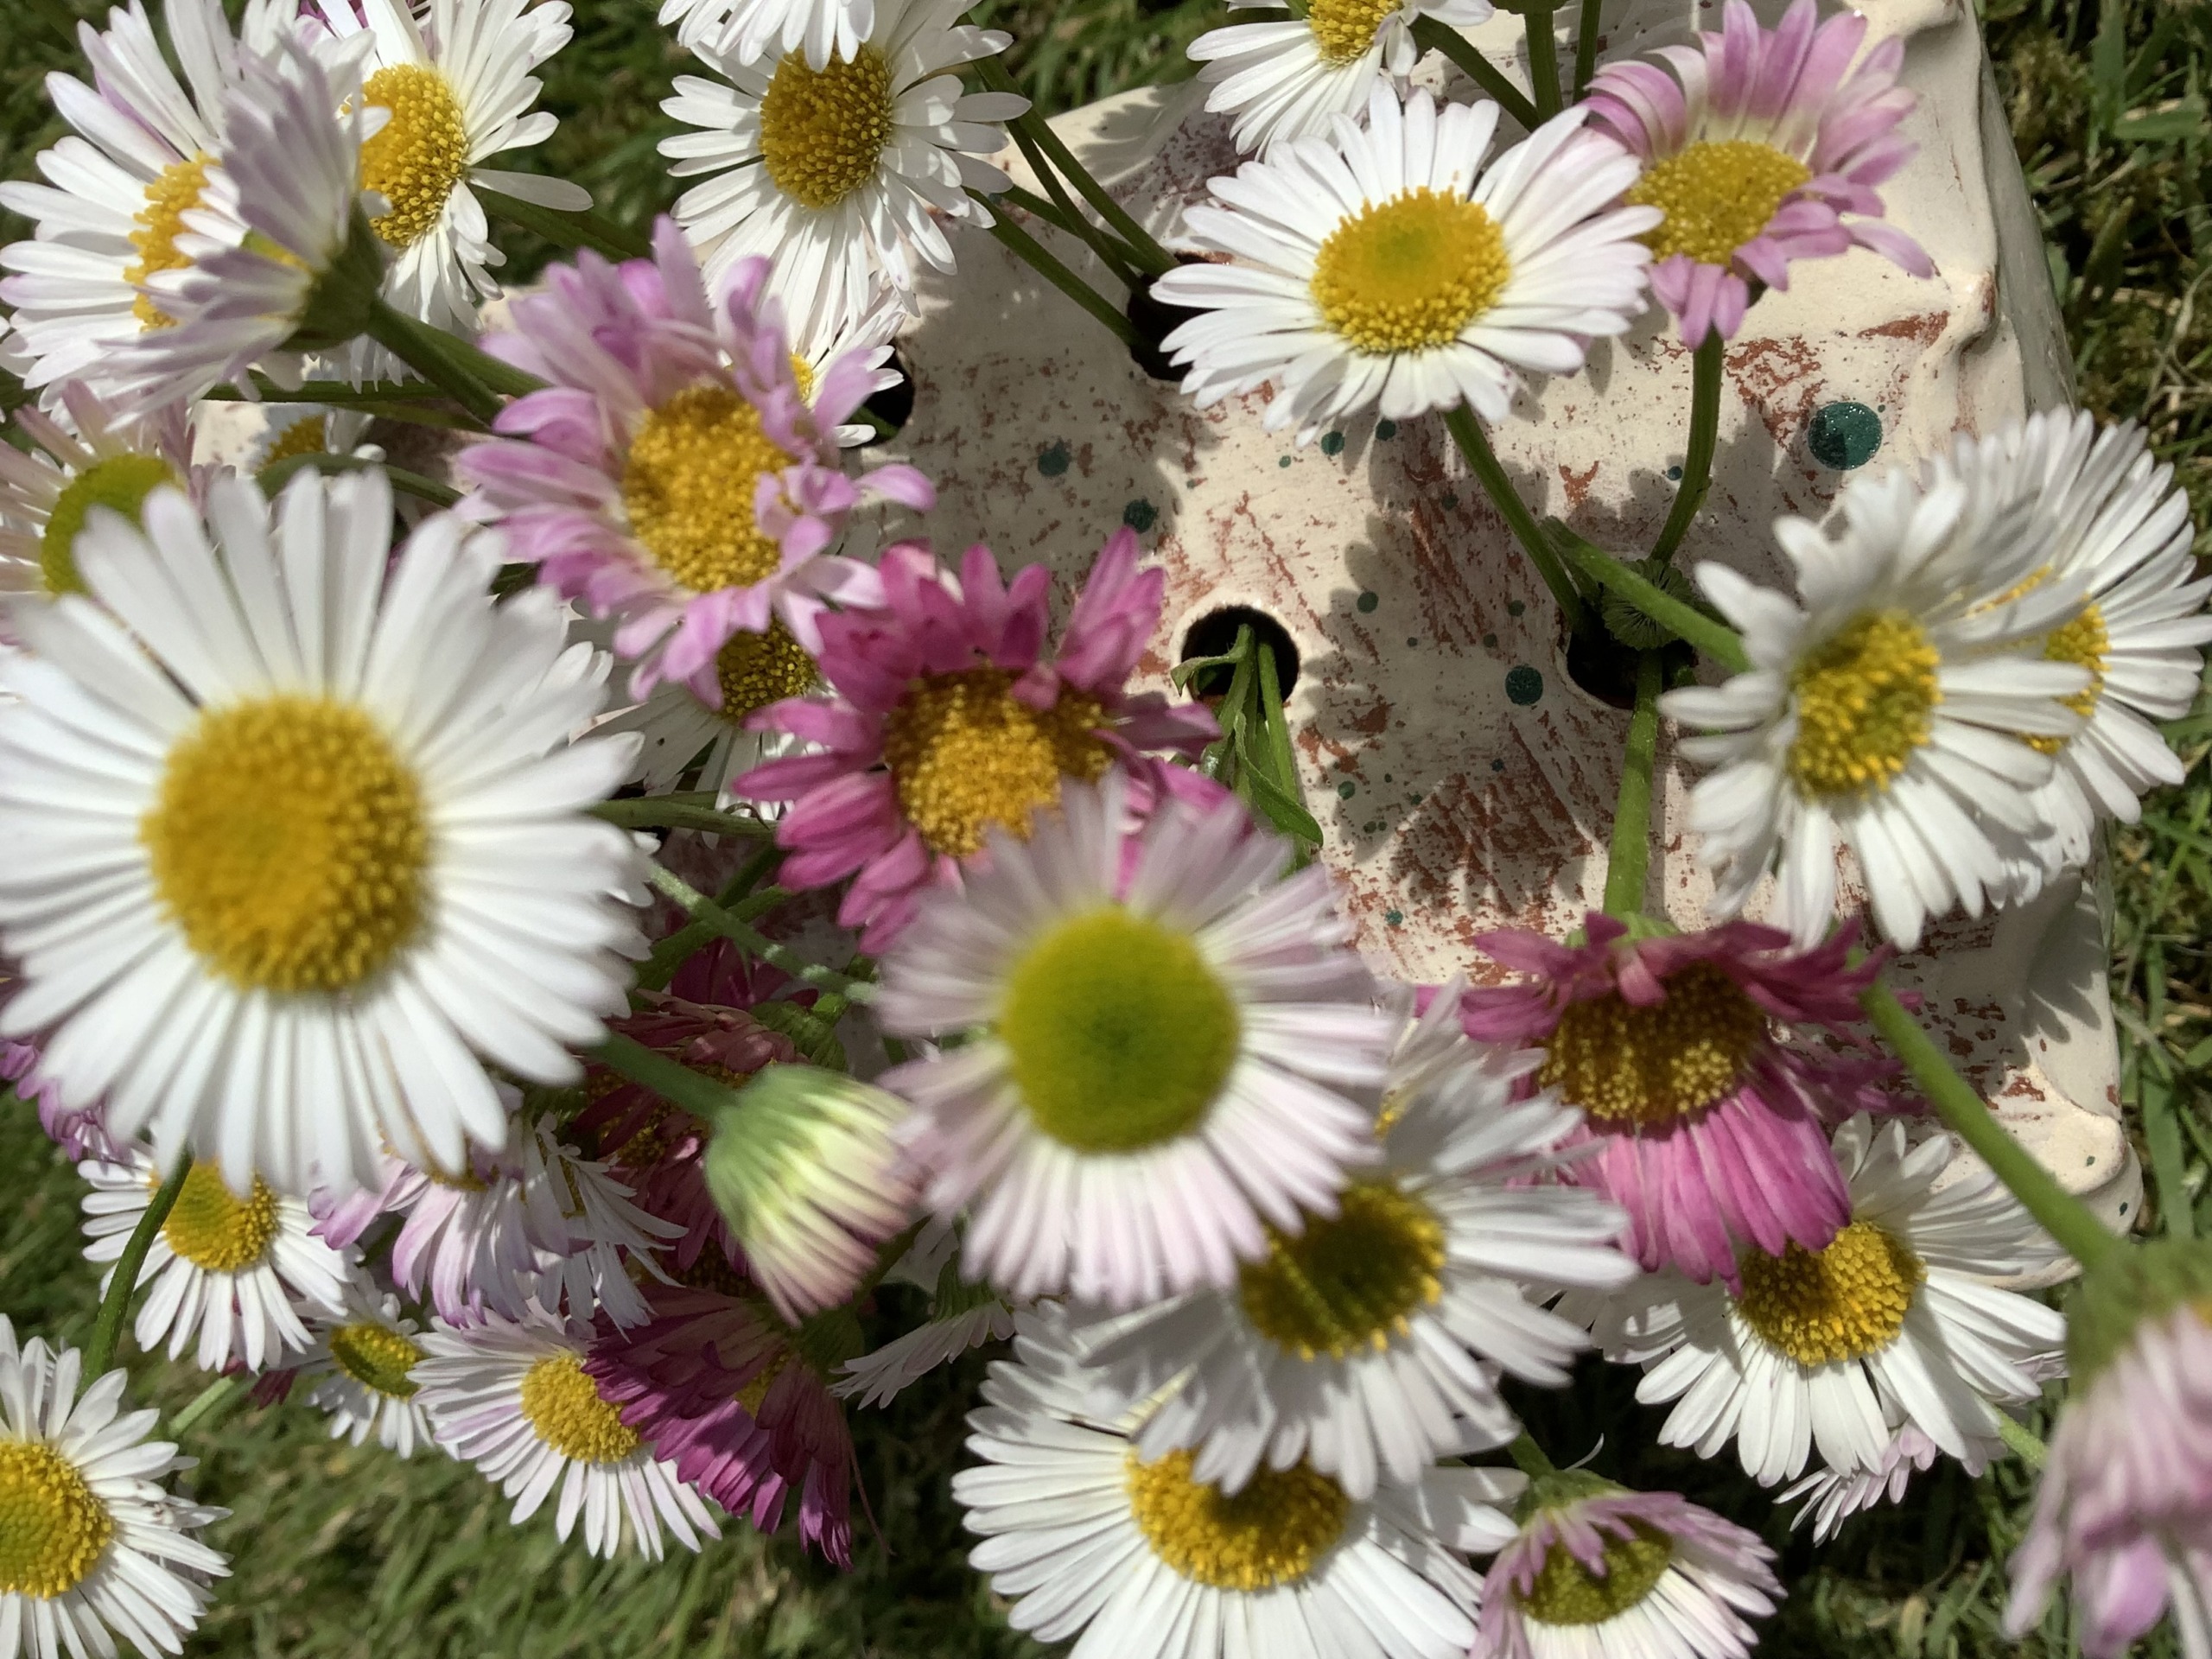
point(1707, 1126)
point(1762, 146)
point(948, 715)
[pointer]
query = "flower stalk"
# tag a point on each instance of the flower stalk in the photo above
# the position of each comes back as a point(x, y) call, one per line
point(1467, 432)
point(107, 1327)
point(1032, 252)
point(1543, 60)
point(1709, 367)
point(274, 478)
point(753, 942)
point(588, 229)
point(1716, 639)
point(1030, 126)
point(1628, 857)
point(1431, 35)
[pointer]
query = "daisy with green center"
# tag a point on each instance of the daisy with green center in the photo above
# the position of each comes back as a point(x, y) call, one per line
point(1885, 710)
point(1388, 265)
point(82, 456)
point(457, 82)
point(360, 1370)
point(836, 171)
point(1898, 1321)
point(512, 1396)
point(1081, 1534)
point(298, 832)
point(92, 1546)
point(1169, 1051)
point(235, 1269)
point(1764, 146)
point(1367, 1344)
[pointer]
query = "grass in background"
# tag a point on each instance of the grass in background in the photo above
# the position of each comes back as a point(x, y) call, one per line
point(343, 1552)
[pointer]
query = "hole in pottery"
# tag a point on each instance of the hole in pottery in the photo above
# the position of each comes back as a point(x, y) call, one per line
point(894, 406)
point(1155, 319)
point(1604, 670)
point(1215, 635)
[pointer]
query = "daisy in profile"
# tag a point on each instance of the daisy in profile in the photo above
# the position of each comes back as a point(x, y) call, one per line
point(593, 1241)
point(1367, 1344)
point(835, 171)
point(1170, 1050)
point(1285, 78)
point(359, 1371)
point(1763, 147)
point(948, 719)
point(83, 456)
point(672, 478)
point(97, 1547)
point(305, 839)
point(233, 1271)
point(1829, 1497)
point(1897, 1322)
point(1080, 1532)
point(962, 1316)
point(1884, 710)
point(1389, 265)
point(512, 1396)
point(1596, 1570)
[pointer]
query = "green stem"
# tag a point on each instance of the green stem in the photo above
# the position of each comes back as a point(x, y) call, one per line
point(209, 1400)
point(1431, 35)
point(1529, 1457)
point(1025, 248)
point(1707, 369)
point(1467, 432)
point(423, 348)
point(1543, 59)
point(679, 1085)
point(750, 939)
point(107, 1329)
point(2022, 1442)
point(565, 229)
point(387, 400)
point(1148, 253)
point(274, 478)
point(1066, 215)
point(1036, 206)
point(737, 897)
point(669, 812)
point(1716, 639)
point(1586, 45)
point(1628, 859)
point(1960, 1106)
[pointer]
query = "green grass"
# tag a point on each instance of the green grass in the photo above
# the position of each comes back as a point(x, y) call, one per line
point(350, 1553)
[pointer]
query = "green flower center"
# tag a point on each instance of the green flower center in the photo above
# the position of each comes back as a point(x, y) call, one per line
point(1348, 1281)
point(1567, 1592)
point(377, 1357)
point(122, 482)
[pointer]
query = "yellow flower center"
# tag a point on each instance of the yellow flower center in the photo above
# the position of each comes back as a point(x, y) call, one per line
point(420, 156)
point(1272, 1532)
point(688, 487)
point(377, 1357)
point(53, 1526)
point(1843, 1302)
point(310, 436)
point(2084, 643)
point(1865, 700)
point(1348, 1281)
point(563, 1407)
point(1567, 1592)
point(1119, 1033)
point(823, 131)
point(965, 752)
point(213, 1228)
point(1343, 29)
point(1717, 196)
point(290, 843)
point(123, 482)
point(756, 670)
point(172, 194)
point(1410, 273)
point(1647, 1067)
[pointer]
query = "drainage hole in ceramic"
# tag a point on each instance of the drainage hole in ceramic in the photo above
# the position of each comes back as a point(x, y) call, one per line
point(1215, 635)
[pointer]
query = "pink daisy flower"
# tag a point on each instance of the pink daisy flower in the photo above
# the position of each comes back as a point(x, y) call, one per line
point(948, 717)
point(674, 476)
point(1706, 1129)
point(1763, 147)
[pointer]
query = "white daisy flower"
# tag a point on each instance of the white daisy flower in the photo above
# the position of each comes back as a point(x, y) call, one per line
point(113, 211)
point(1387, 264)
point(1883, 711)
point(1368, 1344)
point(682, 742)
point(294, 833)
point(588, 1232)
point(360, 1370)
point(879, 1377)
point(1831, 1497)
point(234, 1271)
point(836, 174)
point(510, 1396)
point(1169, 1050)
point(1081, 1534)
point(81, 456)
point(1894, 1323)
point(1285, 78)
point(868, 333)
point(97, 1548)
point(290, 429)
point(457, 82)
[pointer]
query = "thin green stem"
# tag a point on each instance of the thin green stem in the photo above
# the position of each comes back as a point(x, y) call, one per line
point(1628, 859)
point(736, 897)
point(669, 812)
point(422, 349)
point(1709, 367)
point(1431, 36)
point(209, 1401)
point(587, 229)
point(107, 1329)
point(1027, 248)
point(696, 1093)
point(753, 941)
point(1036, 206)
point(274, 478)
point(387, 400)
point(2022, 1442)
point(1586, 26)
point(1067, 216)
point(1529, 1459)
point(1716, 639)
point(1543, 59)
point(1467, 432)
point(1960, 1106)
point(1148, 253)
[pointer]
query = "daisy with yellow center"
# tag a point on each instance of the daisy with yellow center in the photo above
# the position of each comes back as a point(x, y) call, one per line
point(93, 1545)
point(307, 842)
point(1762, 146)
point(1451, 278)
point(360, 1370)
point(512, 1396)
point(1898, 1321)
point(1081, 1530)
point(235, 1269)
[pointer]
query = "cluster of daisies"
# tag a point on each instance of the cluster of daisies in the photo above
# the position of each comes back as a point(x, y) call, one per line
point(523, 962)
